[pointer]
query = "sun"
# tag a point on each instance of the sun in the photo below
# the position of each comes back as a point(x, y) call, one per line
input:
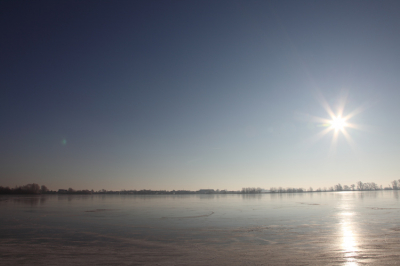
point(338, 123)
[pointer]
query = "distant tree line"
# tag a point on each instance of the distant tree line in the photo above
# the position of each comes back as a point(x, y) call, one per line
point(251, 190)
point(395, 185)
point(359, 186)
point(36, 189)
point(286, 190)
point(27, 189)
point(73, 191)
point(174, 192)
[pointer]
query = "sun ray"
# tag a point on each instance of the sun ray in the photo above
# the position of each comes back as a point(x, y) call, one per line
point(357, 126)
point(342, 104)
point(349, 139)
point(319, 136)
point(332, 149)
point(327, 107)
point(357, 111)
point(319, 119)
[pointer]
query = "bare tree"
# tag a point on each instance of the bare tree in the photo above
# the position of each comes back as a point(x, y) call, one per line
point(395, 184)
point(43, 189)
point(31, 188)
point(360, 185)
point(374, 186)
point(338, 187)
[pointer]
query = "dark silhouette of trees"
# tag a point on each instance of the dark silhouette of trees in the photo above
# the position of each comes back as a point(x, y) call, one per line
point(394, 185)
point(367, 186)
point(286, 190)
point(43, 189)
point(27, 189)
point(73, 191)
point(36, 189)
point(5, 190)
point(338, 187)
point(251, 190)
point(360, 185)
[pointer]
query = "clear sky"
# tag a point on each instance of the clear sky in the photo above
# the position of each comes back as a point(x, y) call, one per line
point(198, 94)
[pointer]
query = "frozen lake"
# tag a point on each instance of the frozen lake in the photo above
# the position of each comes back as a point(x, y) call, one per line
point(328, 228)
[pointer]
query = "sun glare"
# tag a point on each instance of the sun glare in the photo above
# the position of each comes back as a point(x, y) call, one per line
point(338, 123)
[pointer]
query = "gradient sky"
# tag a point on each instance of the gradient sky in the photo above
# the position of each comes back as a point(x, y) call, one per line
point(197, 94)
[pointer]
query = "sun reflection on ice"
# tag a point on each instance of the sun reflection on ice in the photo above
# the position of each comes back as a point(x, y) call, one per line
point(349, 239)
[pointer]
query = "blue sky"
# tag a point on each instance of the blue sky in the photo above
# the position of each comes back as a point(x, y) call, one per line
point(197, 94)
